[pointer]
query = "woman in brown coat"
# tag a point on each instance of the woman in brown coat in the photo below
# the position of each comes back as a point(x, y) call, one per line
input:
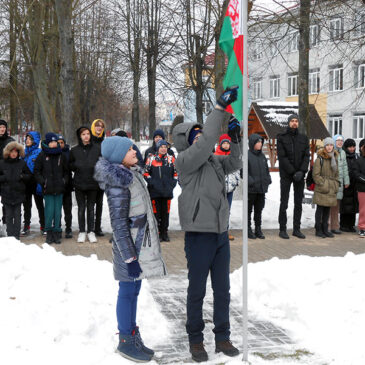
point(325, 175)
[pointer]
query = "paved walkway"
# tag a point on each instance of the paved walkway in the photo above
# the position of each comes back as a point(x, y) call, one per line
point(170, 293)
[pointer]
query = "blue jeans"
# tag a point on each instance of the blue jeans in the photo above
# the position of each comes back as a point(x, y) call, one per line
point(207, 252)
point(127, 305)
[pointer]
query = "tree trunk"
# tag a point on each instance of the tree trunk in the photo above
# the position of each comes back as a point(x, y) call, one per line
point(304, 67)
point(64, 17)
point(151, 79)
point(135, 110)
point(13, 69)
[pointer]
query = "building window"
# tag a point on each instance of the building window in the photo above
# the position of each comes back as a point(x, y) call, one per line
point(336, 79)
point(335, 125)
point(293, 85)
point(360, 80)
point(293, 44)
point(257, 89)
point(358, 126)
point(274, 48)
point(257, 51)
point(313, 35)
point(336, 29)
point(360, 24)
point(314, 82)
point(275, 87)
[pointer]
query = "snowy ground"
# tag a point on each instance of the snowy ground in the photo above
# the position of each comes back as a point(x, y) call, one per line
point(58, 309)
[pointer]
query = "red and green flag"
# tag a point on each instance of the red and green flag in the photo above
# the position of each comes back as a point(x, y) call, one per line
point(231, 43)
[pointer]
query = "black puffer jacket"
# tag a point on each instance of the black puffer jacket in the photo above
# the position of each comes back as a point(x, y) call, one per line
point(51, 170)
point(259, 177)
point(293, 152)
point(14, 175)
point(359, 170)
point(349, 202)
point(83, 159)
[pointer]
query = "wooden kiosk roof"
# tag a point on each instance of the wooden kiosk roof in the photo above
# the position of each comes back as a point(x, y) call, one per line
point(268, 118)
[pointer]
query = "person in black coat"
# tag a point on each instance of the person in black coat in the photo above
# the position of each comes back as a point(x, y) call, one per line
point(83, 159)
point(14, 174)
point(349, 204)
point(259, 180)
point(51, 172)
point(293, 156)
point(4, 140)
point(161, 177)
point(67, 196)
point(158, 135)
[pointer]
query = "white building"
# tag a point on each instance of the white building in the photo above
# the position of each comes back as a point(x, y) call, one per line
point(337, 62)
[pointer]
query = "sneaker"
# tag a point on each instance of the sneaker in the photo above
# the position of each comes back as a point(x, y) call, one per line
point(198, 352)
point(250, 234)
point(362, 233)
point(258, 233)
point(68, 233)
point(226, 347)
point(82, 237)
point(336, 231)
point(43, 232)
point(25, 231)
point(130, 348)
point(328, 234)
point(320, 234)
point(91, 237)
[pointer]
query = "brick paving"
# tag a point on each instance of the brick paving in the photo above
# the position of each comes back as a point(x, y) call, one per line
point(170, 294)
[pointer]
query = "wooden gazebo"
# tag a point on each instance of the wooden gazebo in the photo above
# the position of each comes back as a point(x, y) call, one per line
point(268, 118)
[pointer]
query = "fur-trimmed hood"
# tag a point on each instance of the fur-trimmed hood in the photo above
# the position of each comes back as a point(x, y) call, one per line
point(323, 153)
point(112, 174)
point(10, 146)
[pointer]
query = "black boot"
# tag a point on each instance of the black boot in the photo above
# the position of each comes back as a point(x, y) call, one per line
point(283, 234)
point(258, 233)
point(325, 230)
point(250, 234)
point(68, 233)
point(49, 237)
point(198, 352)
point(297, 233)
point(227, 348)
point(57, 237)
point(165, 237)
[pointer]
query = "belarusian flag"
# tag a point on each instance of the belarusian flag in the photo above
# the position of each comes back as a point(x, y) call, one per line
point(231, 43)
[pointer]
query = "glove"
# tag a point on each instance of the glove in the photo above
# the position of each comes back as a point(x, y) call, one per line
point(228, 97)
point(134, 269)
point(234, 130)
point(39, 190)
point(298, 176)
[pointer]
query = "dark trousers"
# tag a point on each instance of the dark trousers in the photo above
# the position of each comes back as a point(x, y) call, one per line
point(86, 201)
point(127, 305)
point(13, 219)
point(27, 205)
point(161, 209)
point(99, 209)
point(347, 220)
point(52, 212)
point(67, 210)
point(285, 183)
point(4, 214)
point(321, 218)
point(256, 202)
point(207, 252)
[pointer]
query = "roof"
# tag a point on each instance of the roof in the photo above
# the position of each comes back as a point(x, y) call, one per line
point(273, 116)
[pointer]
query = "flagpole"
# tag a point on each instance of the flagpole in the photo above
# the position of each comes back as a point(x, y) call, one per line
point(243, 21)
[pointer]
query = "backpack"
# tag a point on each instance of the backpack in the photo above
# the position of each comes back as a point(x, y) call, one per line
point(309, 179)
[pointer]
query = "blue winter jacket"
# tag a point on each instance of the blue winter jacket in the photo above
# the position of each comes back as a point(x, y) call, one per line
point(31, 154)
point(135, 231)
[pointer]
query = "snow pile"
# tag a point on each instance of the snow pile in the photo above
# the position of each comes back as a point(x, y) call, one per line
point(61, 309)
point(319, 301)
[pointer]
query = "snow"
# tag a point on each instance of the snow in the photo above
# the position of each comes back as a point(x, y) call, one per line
point(61, 309)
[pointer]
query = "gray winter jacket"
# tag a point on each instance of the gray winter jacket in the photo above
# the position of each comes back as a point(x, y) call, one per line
point(203, 205)
point(135, 231)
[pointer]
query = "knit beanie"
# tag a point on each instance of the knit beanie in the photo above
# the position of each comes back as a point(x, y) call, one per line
point(328, 140)
point(292, 116)
point(60, 137)
point(121, 133)
point(50, 137)
point(3, 122)
point(224, 138)
point(193, 133)
point(349, 143)
point(115, 148)
point(160, 143)
point(159, 132)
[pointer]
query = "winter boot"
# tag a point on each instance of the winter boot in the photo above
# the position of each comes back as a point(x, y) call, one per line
point(325, 230)
point(165, 237)
point(226, 347)
point(145, 349)
point(198, 352)
point(298, 233)
point(49, 237)
point(283, 234)
point(57, 237)
point(250, 234)
point(130, 348)
point(99, 232)
point(258, 233)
